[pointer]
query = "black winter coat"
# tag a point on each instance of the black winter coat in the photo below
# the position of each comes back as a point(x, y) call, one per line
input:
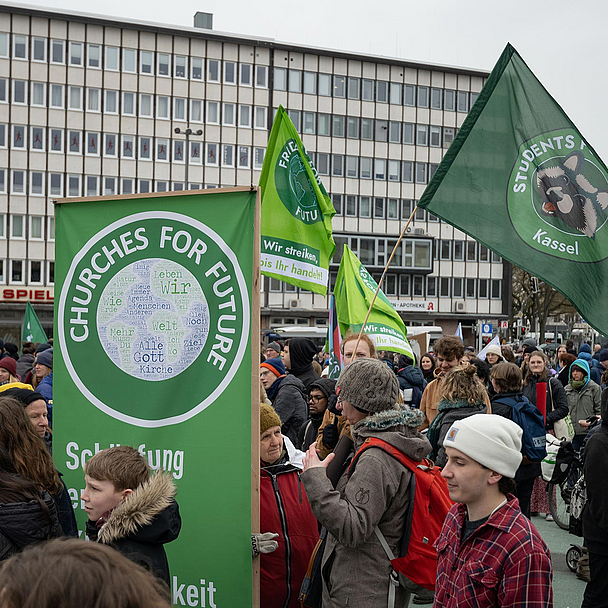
point(26, 523)
point(595, 514)
point(411, 384)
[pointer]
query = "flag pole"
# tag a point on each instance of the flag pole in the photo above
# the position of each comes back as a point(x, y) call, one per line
point(388, 263)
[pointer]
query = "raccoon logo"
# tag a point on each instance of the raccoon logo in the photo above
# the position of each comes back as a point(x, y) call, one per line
point(569, 196)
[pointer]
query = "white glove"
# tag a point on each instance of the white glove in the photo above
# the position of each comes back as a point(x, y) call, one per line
point(263, 543)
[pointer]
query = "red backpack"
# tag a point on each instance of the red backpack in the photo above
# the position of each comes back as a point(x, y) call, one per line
point(417, 561)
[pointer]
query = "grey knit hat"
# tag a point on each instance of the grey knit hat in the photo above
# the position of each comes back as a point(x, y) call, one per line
point(370, 385)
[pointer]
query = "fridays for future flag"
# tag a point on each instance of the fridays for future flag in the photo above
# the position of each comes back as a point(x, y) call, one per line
point(522, 180)
point(354, 292)
point(32, 328)
point(297, 241)
point(333, 341)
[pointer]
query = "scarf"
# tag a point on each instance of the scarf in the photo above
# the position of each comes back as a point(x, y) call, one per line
point(274, 388)
point(577, 385)
point(443, 408)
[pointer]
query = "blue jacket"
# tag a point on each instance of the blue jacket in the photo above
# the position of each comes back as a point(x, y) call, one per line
point(594, 366)
point(45, 388)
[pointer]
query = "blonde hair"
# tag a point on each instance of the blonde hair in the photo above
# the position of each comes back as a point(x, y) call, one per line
point(463, 384)
point(122, 465)
point(364, 338)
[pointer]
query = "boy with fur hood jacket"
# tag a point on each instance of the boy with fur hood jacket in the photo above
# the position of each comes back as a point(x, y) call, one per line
point(355, 567)
point(129, 510)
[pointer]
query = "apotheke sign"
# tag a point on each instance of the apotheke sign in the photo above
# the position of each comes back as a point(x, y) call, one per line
point(412, 306)
point(23, 294)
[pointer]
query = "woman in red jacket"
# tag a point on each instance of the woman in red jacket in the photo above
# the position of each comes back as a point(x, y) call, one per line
point(284, 510)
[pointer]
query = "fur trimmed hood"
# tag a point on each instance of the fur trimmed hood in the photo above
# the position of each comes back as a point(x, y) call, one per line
point(150, 514)
point(400, 416)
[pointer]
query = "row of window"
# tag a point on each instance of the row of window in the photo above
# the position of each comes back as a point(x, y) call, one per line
point(30, 227)
point(30, 272)
point(380, 91)
point(133, 61)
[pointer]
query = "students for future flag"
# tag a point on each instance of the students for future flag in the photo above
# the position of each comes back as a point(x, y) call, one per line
point(297, 241)
point(354, 292)
point(522, 180)
point(32, 328)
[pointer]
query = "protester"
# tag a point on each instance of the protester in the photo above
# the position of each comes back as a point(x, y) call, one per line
point(297, 357)
point(462, 394)
point(129, 510)
point(488, 553)
point(335, 425)
point(25, 363)
point(8, 371)
point(321, 393)
point(561, 352)
point(27, 514)
point(595, 369)
point(564, 375)
point(43, 368)
point(427, 365)
point(355, 567)
point(32, 376)
point(286, 393)
point(32, 460)
point(284, 511)
point(35, 408)
point(411, 381)
point(66, 573)
point(584, 399)
point(508, 383)
point(602, 357)
point(493, 355)
point(507, 354)
point(273, 351)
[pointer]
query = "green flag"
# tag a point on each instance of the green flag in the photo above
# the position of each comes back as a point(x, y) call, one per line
point(32, 329)
point(522, 180)
point(354, 292)
point(297, 241)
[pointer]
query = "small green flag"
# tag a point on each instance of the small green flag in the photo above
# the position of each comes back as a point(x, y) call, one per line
point(522, 180)
point(32, 329)
point(354, 292)
point(297, 241)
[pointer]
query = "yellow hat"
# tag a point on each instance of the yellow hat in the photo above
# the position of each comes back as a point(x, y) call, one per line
point(268, 418)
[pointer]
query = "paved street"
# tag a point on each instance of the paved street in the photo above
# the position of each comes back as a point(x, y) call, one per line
point(567, 589)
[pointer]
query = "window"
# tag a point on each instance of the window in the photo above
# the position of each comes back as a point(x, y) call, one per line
point(109, 186)
point(162, 106)
point(128, 104)
point(229, 114)
point(458, 248)
point(471, 251)
point(180, 65)
point(196, 68)
point(394, 132)
point(406, 208)
point(3, 135)
point(92, 148)
point(408, 133)
point(145, 105)
point(38, 49)
point(322, 163)
point(324, 124)
point(295, 116)
point(178, 150)
point(145, 148)
point(295, 81)
point(496, 289)
point(382, 91)
point(91, 185)
point(261, 116)
point(36, 184)
point(431, 287)
point(110, 145)
point(161, 186)
point(446, 249)
point(336, 200)
point(56, 97)
point(228, 155)
point(367, 128)
point(56, 140)
point(75, 98)
point(457, 288)
point(422, 135)
point(324, 87)
point(378, 208)
point(211, 157)
point(404, 285)
point(213, 70)
point(436, 99)
point(470, 288)
point(164, 64)
point(246, 74)
point(483, 289)
point(146, 62)
point(162, 149)
point(420, 214)
point(309, 123)
point(179, 108)
point(407, 171)
point(3, 173)
point(462, 101)
point(423, 97)
point(74, 142)
point(17, 271)
point(392, 209)
point(50, 273)
point(338, 126)
point(448, 136)
point(339, 86)
point(352, 127)
point(18, 182)
point(229, 72)
point(93, 100)
point(366, 167)
point(55, 184)
point(244, 154)
point(473, 97)
point(421, 173)
point(418, 286)
point(19, 91)
point(129, 60)
point(337, 165)
point(365, 206)
point(19, 137)
point(367, 90)
point(496, 257)
point(484, 253)
point(111, 105)
point(76, 51)
point(94, 56)
point(310, 83)
point(213, 112)
point(444, 287)
point(435, 136)
point(395, 93)
point(19, 46)
point(144, 186)
point(17, 226)
point(35, 276)
point(379, 169)
point(352, 166)
point(128, 146)
point(280, 79)
point(127, 185)
point(57, 51)
point(409, 95)
point(449, 100)
point(381, 130)
point(3, 44)
point(353, 88)
point(261, 76)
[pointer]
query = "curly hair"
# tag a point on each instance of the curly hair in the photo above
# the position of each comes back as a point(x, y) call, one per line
point(25, 448)
point(463, 384)
point(449, 347)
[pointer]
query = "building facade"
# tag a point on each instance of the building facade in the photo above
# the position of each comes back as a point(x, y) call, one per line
point(89, 106)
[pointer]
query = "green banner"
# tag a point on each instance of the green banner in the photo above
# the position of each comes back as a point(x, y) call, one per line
point(522, 180)
point(32, 328)
point(153, 326)
point(354, 293)
point(297, 241)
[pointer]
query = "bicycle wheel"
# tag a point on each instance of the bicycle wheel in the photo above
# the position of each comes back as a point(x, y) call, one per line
point(559, 503)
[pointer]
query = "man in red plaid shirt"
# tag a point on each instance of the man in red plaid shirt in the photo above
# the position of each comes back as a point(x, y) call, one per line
point(489, 554)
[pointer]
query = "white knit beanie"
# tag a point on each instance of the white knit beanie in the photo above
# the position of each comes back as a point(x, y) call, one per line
point(490, 440)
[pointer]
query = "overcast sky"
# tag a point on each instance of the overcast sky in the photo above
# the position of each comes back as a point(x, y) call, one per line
point(563, 42)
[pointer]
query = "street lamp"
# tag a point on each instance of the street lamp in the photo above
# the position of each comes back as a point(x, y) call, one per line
point(187, 132)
